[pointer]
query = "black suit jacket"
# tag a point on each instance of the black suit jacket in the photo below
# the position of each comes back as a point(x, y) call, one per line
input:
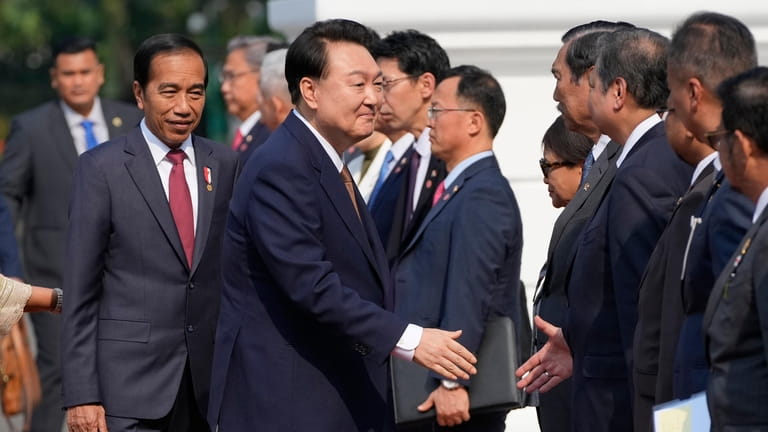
point(36, 178)
point(551, 302)
point(725, 217)
point(736, 337)
point(136, 313)
point(660, 308)
point(612, 254)
point(251, 141)
point(386, 209)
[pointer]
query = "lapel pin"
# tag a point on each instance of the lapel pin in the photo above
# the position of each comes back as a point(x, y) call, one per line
point(428, 184)
point(117, 122)
point(455, 188)
point(403, 160)
point(446, 197)
point(248, 138)
point(586, 187)
point(207, 178)
point(434, 173)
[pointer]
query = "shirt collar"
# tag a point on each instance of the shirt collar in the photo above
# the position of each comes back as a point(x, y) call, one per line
point(762, 202)
point(335, 157)
point(400, 146)
point(249, 123)
point(600, 145)
point(463, 165)
point(701, 165)
point(422, 145)
point(159, 149)
point(635, 136)
point(74, 118)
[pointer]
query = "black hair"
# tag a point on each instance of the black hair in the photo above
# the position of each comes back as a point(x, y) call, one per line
point(745, 104)
point(571, 147)
point(712, 47)
point(162, 44)
point(480, 88)
point(72, 45)
point(416, 53)
point(594, 26)
point(308, 55)
point(640, 57)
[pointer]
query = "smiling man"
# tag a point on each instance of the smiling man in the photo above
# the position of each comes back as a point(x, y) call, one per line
point(143, 247)
point(304, 333)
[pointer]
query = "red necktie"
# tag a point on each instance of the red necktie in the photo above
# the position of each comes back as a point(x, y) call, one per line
point(438, 193)
point(237, 141)
point(181, 203)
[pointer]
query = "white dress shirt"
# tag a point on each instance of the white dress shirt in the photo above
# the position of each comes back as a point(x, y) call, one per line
point(159, 150)
point(635, 136)
point(424, 148)
point(249, 123)
point(600, 145)
point(762, 202)
point(701, 165)
point(74, 120)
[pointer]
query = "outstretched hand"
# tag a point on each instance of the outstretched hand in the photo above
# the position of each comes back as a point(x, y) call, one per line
point(551, 365)
point(439, 352)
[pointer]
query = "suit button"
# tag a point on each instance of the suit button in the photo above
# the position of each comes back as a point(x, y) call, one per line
point(190, 328)
point(191, 285)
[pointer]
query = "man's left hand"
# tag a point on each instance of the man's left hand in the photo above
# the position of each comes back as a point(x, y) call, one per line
point(451, 406)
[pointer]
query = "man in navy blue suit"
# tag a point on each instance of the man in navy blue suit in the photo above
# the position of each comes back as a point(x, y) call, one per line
point(462, 267)
point(143, 277)
point(304, 334)
point(627, 87)
point(242, 94)
point(706, 49)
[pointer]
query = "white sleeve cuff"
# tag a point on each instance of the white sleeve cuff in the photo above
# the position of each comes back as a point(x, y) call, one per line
point(408, 342)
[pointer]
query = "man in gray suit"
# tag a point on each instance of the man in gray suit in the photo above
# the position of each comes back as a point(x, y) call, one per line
point(36, 178)
point(570, 69)
point(734, 321)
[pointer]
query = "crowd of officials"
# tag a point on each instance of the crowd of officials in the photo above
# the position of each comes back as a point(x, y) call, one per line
point(360, 213)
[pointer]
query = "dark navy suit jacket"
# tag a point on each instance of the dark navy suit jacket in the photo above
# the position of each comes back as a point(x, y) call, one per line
point(736, 337)
point(136, 313)
point(385, 205)
point(303, 340)
point(10, 265)
point(463, 264)
point(252, 140)
point(612, 254)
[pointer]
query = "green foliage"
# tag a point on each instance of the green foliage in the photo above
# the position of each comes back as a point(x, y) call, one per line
point(28, 27)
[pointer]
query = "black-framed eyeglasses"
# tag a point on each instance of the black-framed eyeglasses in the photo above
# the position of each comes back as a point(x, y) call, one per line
point(716, 138)
point(547, 167)
point(231, 76)
point(432, 112)
point(387, 84)
point(664, 113)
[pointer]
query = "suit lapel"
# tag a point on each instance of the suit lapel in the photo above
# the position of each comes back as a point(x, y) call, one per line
point(141, 167)
point(449, 194)
point(65, 144)
point(114, 121)
point(207, 167)
point(330, 181)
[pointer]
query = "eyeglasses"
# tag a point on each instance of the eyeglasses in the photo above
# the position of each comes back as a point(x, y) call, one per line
point(432, 112)
point(231, 76)
point(664, 113)
point(716, 138)
point(388, 84)
point(547, 167)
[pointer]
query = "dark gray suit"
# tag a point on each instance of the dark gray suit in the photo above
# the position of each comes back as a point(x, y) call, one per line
point(736, 337)
point(551, 303)
point(137, 315)
point(36, 178)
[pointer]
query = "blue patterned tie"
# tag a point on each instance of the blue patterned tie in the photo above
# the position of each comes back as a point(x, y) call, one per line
point(587, 166)
point(90, 138)
point(382, 176)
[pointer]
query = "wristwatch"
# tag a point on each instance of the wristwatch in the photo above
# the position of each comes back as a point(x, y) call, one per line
point(450, 385)
point(59, 300)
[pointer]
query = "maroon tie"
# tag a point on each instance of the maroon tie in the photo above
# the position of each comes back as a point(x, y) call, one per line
point(181, 203)
point(438, 193)
point(237, 140)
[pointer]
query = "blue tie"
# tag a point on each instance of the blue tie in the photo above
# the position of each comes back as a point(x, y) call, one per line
point(382, 176)
point(90, 138)
point(587, 166)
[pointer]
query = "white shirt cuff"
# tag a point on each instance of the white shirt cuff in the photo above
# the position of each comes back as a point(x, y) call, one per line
point(408, 342)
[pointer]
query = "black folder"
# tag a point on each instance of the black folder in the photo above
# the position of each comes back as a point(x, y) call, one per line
point(492, 389)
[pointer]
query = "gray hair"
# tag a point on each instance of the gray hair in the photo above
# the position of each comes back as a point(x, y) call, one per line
point(272, 81)
point(256, 47)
